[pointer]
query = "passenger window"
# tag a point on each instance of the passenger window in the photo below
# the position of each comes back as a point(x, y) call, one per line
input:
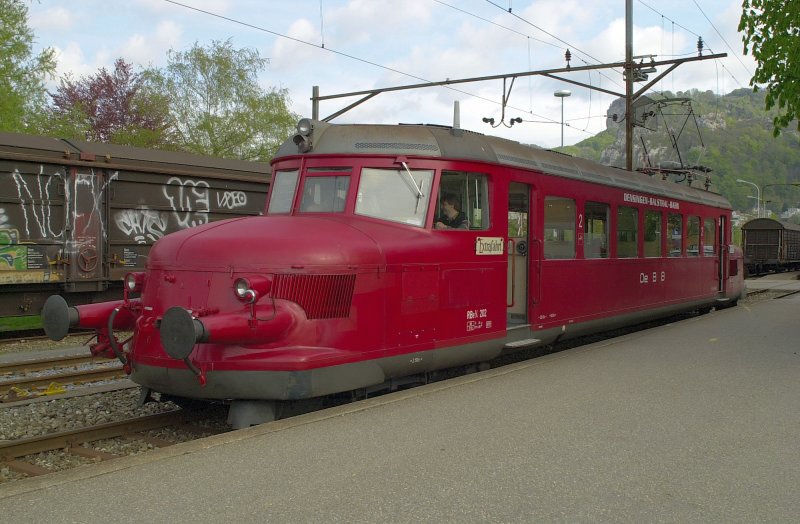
point(595, 230)
point(675, 231)
point(324, 194)
point(284, 184)
point(559, 228)
point(709, 237)
point(693, 236)
point(652, 234)
point(463, 201)
point(627, 229)
point(398, 195)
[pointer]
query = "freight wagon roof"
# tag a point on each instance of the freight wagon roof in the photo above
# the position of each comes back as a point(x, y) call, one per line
point(14, 146)
point(769, 223)
point(445, 142)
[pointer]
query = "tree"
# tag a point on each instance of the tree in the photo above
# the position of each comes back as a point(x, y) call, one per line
point(217, 106)
point(772, 35)
point(116, 107)
point(22, 74)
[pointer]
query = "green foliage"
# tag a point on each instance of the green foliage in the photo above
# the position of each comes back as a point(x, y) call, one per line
point(216, 105)
point(771, 33)
point(22, 75)
point(592, 148)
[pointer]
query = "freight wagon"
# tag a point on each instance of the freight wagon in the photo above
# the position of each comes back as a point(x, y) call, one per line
point(770, 245)
point(75, 216)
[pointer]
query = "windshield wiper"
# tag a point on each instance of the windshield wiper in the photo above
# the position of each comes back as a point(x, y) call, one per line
point(414, 183)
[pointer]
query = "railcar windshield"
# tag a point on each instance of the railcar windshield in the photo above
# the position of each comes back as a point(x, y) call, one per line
point(324, 194)
point(399, 195)
point(284, 184)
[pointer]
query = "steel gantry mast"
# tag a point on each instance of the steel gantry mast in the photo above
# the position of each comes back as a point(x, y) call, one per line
point(632, 72)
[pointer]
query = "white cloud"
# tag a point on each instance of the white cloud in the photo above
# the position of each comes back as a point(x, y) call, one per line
point(146, 49)
point(287, 54)
point(162, 7)
point(72, 60)
point(52, 19)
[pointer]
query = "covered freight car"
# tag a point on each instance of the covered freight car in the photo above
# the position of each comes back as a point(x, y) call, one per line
point(770, 245)
point(76, 216)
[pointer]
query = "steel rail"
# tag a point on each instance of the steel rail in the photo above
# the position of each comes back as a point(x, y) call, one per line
point(72, 377)
point(12, 450)
point(40, 364)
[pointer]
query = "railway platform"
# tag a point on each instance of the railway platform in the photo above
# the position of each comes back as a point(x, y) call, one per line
point(696, 421)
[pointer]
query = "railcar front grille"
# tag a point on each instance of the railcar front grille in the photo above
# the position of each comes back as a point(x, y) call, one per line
point(321, 296)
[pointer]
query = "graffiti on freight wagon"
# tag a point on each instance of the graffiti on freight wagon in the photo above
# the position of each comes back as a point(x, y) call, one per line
point(69, 209)
point(55, 221)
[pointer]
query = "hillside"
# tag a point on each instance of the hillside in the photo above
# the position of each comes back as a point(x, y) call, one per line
point(737, 138)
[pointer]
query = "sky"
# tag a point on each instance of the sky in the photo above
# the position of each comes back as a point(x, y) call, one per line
point(345, 46)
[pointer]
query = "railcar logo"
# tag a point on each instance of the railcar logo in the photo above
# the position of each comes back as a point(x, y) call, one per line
point(489, 246)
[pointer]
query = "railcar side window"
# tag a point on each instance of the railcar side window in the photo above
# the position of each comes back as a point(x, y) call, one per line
point(471, 194)
point(627, 229)
point(559, 228)
point(709, 237)
point(324, 194)
point(284, 184)
point(652, 233)
point(595, 230)
point(675, 235)
point(693, 236)
point(398, 195)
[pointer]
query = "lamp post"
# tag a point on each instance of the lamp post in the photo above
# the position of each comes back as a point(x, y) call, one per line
point(562, 94)
point(758, 194)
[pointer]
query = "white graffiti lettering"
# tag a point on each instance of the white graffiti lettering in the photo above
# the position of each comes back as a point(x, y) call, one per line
point(189, 200)
point(142, 224)
point(231, 199)
point(35, 202)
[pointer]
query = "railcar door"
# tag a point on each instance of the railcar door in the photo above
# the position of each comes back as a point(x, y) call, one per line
point(723, 253)
point(520, 254)
point(85, 218)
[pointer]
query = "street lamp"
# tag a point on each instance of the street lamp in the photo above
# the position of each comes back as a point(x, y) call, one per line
point(562, 94)
point(758, 194)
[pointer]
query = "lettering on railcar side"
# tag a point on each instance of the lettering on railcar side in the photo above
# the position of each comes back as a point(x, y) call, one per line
point(651, 201)
point(476, 319)
point(652, 278)
point(489, 246)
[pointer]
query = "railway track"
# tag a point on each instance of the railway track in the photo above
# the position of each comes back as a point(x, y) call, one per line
point(20, 455)
point(22, 385)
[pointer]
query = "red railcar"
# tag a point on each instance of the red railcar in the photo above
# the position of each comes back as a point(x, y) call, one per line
point(348, 282)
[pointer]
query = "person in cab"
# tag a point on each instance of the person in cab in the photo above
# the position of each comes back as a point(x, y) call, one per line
point(451, 216)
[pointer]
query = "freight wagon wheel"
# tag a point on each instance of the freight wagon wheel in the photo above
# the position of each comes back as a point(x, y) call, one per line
point(87, 259)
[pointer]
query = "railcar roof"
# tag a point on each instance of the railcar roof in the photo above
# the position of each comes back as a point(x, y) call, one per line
point(769, 223)
point(15, 146)
point(446, 142)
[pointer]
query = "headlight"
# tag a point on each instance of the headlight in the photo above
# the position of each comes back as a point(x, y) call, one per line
point(240, 287)
point(305, 126)
point(134, 282)
point(251, 289)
